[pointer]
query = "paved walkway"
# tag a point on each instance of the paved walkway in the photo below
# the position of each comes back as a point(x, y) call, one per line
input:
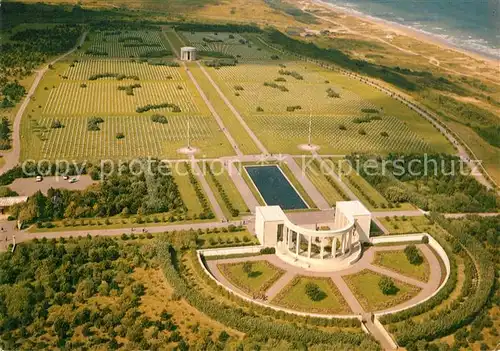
point(214, 113)
point(21, 236)
point(11, 157)
point(334, 175)
point(219, 214)
point(366, 262)
point(256, 140)
point(242, 187)
point(309, 188)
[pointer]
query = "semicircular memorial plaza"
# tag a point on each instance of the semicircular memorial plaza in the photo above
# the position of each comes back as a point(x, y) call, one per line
point(325, 263)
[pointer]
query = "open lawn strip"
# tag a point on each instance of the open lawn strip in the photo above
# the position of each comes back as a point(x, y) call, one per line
point(395, 260)
point(257, 292)
point(207, 210)
point(331, 181)
point(360, 190)
point(388, 300)
point(227, 201)
point(281, 298)
point(246, 321)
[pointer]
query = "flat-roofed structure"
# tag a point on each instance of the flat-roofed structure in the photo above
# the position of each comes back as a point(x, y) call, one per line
point(188, 53)
point(332, 242)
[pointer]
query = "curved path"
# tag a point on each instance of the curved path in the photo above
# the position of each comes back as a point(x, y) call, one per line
point(12, 157)
point(366, 262)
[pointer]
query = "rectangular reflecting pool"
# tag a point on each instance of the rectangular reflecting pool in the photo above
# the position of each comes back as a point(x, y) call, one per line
point(274, 187)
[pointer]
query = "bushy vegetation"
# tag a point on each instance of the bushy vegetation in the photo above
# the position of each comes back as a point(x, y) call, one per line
point(159, 119)
point(276, 86)
point(46, 289)
point(413, 255)
point(164, 63)
point(227, 201)
point(96, 52)
point(387, 286)
point(222, 62)
point(293, 108)
point(93, 123)
point(366, 119)
point(332, 93)
point(314, 292)
point(461, 313)
point(119, 193)
point(207, 210)
point(431, 182)
point(56, 124)
point(5, 133)
point(174, 107)
point(129, 89)
point(293, 74)
point(118, 76)
point(155, 53)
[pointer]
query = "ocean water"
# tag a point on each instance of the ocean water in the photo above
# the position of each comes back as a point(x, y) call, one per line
point(473, 25)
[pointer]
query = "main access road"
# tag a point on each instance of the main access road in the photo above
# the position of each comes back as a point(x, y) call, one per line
point(12, 157)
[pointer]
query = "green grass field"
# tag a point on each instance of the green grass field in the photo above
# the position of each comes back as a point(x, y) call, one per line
point(261, 277)
point(294, 296)
point(396, 260)
point(240, 135)
point(186, 189)
point(66, 94)
point(231, 44)
point(364, 285)
point(320, 181)
point(123, 43)
point(334, 118)
point(400, 225)
point(370, 197)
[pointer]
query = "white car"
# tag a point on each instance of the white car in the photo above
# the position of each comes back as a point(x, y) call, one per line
point(65, 177)
point(38, 178)
point(73, 180)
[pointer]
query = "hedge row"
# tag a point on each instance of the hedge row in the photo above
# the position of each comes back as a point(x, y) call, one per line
point(207, 211)
point(234, 211)
point(450, 320)
point(332, 182)
point(148, 107)
point(251, 324)
point(202, 27)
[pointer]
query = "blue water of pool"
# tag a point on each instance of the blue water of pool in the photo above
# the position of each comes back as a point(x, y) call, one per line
point(275, 187)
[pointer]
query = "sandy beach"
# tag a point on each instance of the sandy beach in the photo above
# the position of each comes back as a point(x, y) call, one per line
point(399, 29)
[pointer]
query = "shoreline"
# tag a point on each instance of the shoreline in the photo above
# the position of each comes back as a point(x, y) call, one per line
point(414, 33)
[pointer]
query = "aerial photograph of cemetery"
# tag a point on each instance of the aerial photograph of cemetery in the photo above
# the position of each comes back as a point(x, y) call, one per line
point(249, 175)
